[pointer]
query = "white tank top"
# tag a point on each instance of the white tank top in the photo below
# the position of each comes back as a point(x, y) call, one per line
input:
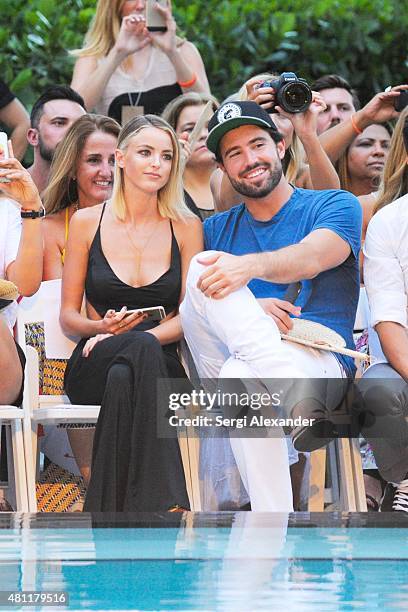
point(159, 73)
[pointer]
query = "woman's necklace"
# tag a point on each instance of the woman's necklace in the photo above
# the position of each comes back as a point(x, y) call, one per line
point(140, 249)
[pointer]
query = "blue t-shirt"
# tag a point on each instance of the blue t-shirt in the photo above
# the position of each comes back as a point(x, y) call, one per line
point(331, 297)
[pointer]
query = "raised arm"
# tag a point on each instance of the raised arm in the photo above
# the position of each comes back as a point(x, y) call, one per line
point(90, 78)
point(378, 110)
point(26, 270)
point(320, 173)
point(16, 118)
point(185, 57)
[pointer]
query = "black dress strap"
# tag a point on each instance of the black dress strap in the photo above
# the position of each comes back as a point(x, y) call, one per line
point(102, 213)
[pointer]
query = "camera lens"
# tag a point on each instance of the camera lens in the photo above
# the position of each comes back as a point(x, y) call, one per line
point(295, 97)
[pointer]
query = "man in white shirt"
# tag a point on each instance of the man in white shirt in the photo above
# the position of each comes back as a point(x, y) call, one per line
point(386, 403)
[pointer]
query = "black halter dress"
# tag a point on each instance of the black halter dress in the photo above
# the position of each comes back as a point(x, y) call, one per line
point(132, 469)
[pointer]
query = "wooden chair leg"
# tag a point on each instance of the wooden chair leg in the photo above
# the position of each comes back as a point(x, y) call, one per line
point(19, 466)
point(317, 480)
point(358, 475)
point(346, 475)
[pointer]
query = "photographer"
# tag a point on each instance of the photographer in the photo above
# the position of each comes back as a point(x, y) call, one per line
point(301, 142)
point(125, 70)
point(300, 137)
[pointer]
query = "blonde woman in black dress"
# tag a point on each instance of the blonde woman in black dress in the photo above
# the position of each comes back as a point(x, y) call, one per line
point(131, 252)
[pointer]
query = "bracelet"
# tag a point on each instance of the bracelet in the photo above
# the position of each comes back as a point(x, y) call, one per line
point(355, 126)
point(190, 83)
point(33, 214)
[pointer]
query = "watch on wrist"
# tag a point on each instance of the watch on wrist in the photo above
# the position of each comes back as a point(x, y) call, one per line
point(33, 214)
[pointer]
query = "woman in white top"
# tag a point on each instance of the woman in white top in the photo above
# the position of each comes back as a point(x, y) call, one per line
point(124, 69)
point(21, 255)
point(21, 268)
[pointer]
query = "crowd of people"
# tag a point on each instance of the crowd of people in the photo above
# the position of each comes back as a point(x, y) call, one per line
point(145, 191)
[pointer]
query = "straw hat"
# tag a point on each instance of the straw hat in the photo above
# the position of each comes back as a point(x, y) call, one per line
point(315, 335)
point(8, 292)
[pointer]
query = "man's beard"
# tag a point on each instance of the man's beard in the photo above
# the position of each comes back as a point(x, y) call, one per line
point(261, 191)
point(46, 153)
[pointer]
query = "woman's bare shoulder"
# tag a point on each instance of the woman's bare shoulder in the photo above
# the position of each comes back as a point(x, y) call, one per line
point(188, 230)
point(88, 215)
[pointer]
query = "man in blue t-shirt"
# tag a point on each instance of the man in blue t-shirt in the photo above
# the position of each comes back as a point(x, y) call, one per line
point(235, 301)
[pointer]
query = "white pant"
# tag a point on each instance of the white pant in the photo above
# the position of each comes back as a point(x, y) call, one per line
point(235, 338)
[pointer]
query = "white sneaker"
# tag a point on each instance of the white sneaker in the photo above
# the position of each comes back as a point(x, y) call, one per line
point(400, 502)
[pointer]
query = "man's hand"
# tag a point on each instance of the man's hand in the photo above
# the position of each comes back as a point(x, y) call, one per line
point(279, 310)
point(380, 108)
point(305, 124)
point(226, 273)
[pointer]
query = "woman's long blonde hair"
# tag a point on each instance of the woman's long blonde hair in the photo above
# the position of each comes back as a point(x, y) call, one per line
point(174, 108)
point(62, 190)
point(394, 180)
point(104, 29)
point(170, 198)
point(294, 160)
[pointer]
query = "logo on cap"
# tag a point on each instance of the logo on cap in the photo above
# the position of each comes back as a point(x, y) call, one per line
point(228, 111)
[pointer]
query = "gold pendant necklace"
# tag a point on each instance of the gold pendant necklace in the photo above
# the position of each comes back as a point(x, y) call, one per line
point(140, 249)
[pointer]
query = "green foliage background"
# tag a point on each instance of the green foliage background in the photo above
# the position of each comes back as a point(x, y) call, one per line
point(363, 40)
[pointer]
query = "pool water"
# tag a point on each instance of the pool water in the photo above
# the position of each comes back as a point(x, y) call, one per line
point(242, 561)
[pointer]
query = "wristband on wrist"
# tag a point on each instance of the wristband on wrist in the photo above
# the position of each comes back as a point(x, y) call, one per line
point(355, 126)
point(33, 214)
point(190, 83)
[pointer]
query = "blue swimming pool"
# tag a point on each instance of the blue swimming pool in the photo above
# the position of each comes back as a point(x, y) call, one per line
point(242, 561)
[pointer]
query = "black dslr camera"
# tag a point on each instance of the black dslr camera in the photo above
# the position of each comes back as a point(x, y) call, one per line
point(292, 94)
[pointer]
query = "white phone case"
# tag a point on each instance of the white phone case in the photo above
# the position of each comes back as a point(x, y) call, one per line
point(154, 20)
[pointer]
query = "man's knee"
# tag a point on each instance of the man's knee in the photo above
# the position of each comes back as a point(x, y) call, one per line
point(383, 404)
point(196, 268)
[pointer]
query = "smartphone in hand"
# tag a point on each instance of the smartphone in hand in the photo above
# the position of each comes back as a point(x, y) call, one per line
point(402, 101)
point(155, 22)
point(155, 313)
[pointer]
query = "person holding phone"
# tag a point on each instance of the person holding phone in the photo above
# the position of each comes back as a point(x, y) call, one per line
point(122, 354)
point(125, 69)
point(21, 255)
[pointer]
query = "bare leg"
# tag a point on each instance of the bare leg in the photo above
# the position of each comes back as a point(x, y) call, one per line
point(81, 441)
point(11, 374)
